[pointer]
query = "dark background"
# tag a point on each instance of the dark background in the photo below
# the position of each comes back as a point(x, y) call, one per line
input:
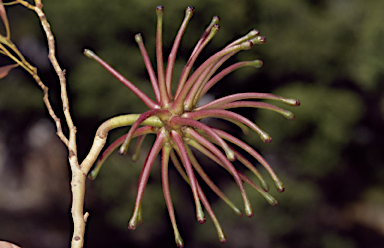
point(329, 54)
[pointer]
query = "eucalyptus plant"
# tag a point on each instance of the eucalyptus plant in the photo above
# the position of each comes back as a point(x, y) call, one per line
point(173, 116)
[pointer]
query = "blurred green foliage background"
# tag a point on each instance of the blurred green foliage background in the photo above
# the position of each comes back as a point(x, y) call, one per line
point(327, 53)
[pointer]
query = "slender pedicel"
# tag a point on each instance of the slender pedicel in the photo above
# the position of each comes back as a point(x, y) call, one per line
point(209, 182)
point(249, 95)
point(143, 97)
point(188, 167)
point(212, 148)
point(262, 105)
point(203, 78)
point(160, 140)
point(212, 81)
point(141, 119)
point(251, 167)
point(208, 34)
point(196, 124)
point(208, 30)
point(164, 99)
point(167, 194)
point(209, 209)
point(228, 115)
point(148, 65)
point(172, 56)
point(188, 67)
point(212, 156)
point(178, 104)
point(204, 200)
point(279, 185)
point(139, 143)
point(270, 199)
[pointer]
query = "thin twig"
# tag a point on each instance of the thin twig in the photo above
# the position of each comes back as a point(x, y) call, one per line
point(78, 175)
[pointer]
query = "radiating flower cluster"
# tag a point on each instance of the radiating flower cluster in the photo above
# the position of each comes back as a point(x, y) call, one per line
point(175, 119)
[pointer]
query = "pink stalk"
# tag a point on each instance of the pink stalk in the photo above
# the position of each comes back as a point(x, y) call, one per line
point(191, 99)
point(208, 85)
point(253, 153)
point(209, 182)
point(228, 115)
point(167, 194)
point(178, 167)
point(212, 148)
point(253, 169)
point(202, 79)
point(148, 65)
point(143, 97)
point(164, 99)
point(188, 167)
point(270, 199)
point(179, 99)
point(245, 162)
point(212, 156)
point(172, 56)
point(251, 36)
point(139, 142)
point(199, 47)
point(244, 128)
point(250, 104)
point(211, 214)
point(193, 96)
point(203, 39)
point(204, 200)
point(196, 124)
point(135, 125)
point(159, 142)
point(139, 132)
point(249, 95)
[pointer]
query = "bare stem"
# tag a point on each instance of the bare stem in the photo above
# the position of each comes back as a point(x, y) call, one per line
point(78, 175)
